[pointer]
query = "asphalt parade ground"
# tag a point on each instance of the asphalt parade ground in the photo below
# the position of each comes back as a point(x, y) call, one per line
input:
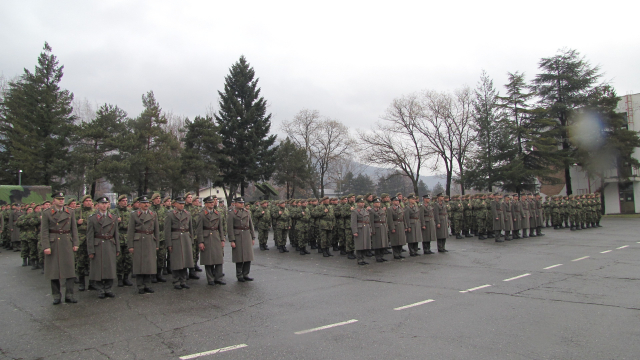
point(567, 295)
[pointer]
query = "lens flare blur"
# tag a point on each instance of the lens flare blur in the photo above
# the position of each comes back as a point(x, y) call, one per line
point(586, 132)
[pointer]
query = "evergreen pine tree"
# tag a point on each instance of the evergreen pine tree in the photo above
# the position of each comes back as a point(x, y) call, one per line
point(563, 86)
point(201, 152)
point(36, 124)
point(248, 151)
point(294, 170)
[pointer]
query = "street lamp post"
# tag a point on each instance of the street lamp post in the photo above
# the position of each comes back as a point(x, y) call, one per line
point(19, 177)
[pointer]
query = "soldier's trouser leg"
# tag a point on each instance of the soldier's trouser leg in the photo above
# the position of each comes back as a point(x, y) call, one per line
point(33, 250)
point(55, 288)
point(24, 249)
point(397, 251)
point(124, 262)
point(40, 255)
point(480, 226)
point(107, 284)
point(217, 272)
point(325, 240)
point(341, 238)
point(208, 270)
point(334, 237)
point(360, 255)
point(196, 253)
point(313, 237)
point(348, 240)
point(179, 276)
point(497, 234)
point(243, 269)
point(142, 281)
point(378, 253)
point(161, 255)
point(302, 238)
point(82, 257)
point(426, 247)
point(277, 237)
point(293, 237)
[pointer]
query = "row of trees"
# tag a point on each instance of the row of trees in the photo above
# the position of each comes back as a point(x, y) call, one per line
point(481, 139)
point(485, 141)
point(41, 135)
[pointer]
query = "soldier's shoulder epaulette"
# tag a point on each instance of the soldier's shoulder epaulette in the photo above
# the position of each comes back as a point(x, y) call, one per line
point(92, 215)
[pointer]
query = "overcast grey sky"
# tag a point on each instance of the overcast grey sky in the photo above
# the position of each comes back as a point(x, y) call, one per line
point(347, 59)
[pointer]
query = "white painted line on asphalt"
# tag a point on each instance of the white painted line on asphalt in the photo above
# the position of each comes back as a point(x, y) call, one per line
point(326, 327)
point(606, 251)
point(415, 304)
point(582, 258)
point(475, 288)
point(517, 277)
point(216, 351)
point(552, 266)
point(622, 247)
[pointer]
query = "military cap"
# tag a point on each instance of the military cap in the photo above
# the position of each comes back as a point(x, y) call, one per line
point(209, 199)
point(439, 194)
point(359, 199)
point(166, 198)
point(570, 196)
point(376, 200)
point(455, 196)
point(350, 195)
point(187, 194)
point(384, 195)
point(68, 201)
point(411, 196)
point(343, 198)
point(395, 198)
point(143, 199)
point(507, 195)
point(264, 202)
point(446, 196)
point(324, 198)
point(103, 200)
point(398, 193)
point(514, 194)
point(155, 196)
point(367, 195)
point(179, 199)
point(85, 198)
point(56, 195)
point(46, 202)
point(135, 199)
point(121, 197)
point(426, 196)
point(238, 200)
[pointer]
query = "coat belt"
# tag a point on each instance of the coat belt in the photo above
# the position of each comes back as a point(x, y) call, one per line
point(148, 232)
point(103, 237)
point(363, 222)
point(380, 222)
point(241, 227)
point(179, 230)
point(60, 231)
point(211, 228)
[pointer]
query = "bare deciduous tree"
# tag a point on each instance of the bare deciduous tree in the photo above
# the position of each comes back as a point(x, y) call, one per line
point(398, 142)
point(325, 140)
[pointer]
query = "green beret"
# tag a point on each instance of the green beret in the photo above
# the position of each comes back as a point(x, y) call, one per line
point(121, 197)
point(85, 198)
point(155, 196)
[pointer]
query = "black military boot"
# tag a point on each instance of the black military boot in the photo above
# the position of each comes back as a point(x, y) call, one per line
point(261, 247)
point(325, 252)
point(35, 265)
point(126, 281)
point(531, 233)
point(266, 247)
point(193, 275)
point(313, 245)
point(598, 223)
point(490, 235)
point(572, 228)
point(458, 236)
point(92, 286)
point(280, 249)
point(197, 268)
point(81, 285)
point(469, 234)
point(303, 251)
point(539, 231)
point(160, 278)
point(482, 237)
point(297, 248)
point(583, 227)
point(351, 255)
point(120, 284)
point(25, 262)
point(335, 248)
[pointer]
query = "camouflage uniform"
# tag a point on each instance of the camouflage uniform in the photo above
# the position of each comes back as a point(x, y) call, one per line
point(349, 245)
point(161, 253)
point(262, 219)
point(467, 229)
point(457, 208)
point(28, 237)
point(82, 255)
point(282, 220)
point(302, 228)
point(124, 262)
point(293, 235)
point(481, 209)
point(313, 228)
point(324, 214)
